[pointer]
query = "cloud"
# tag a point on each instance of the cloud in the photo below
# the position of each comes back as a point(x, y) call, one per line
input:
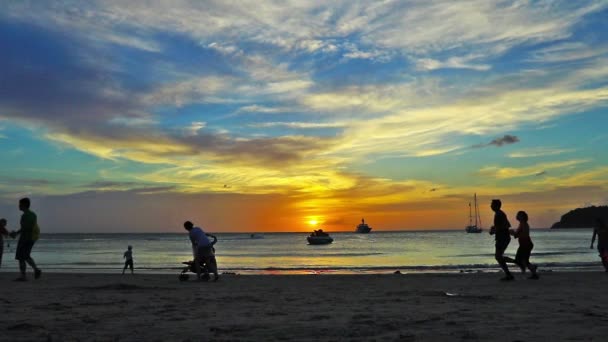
point(567, 52)
point(261, 109)
point(539, 152)
point(499, 142)
point(534, 170)
point(300, 125)
point(451, 63)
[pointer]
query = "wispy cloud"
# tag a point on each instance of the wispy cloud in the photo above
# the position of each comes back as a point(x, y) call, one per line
point(534, 170)
point(539, 152)
point(302, 125)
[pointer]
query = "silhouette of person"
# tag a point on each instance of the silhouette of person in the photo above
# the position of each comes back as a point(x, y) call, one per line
point(203, 251)
point(601, 230)
point(28, 235)
point(128, 256)
point(501, 231)
point(3, 233)
point(522, 234)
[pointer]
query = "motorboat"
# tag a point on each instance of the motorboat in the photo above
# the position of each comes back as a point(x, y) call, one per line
point(319, 237)
point(363, 228)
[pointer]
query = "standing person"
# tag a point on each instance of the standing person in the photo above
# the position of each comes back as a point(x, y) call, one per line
point(3, 233)
point(28, 235)
point(501, 230)
point(128, 256)
point(522, 234)
point(601, 231)
point(202, 250)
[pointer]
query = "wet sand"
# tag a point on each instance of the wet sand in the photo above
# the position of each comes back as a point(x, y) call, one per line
point(418, 307)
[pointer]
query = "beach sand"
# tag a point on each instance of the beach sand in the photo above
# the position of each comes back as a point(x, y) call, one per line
point(104, 307)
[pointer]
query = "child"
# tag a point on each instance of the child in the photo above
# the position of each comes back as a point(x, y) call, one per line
point(601, 231)
point(3, 233)
point(129, 259)
point(522, 234)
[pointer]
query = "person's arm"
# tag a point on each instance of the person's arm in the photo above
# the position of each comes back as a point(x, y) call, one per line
point(214, 239)
point(593, 237)
point(517, 231)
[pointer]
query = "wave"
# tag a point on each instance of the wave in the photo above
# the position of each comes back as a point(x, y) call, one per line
point(461, 268)
point(269, 255)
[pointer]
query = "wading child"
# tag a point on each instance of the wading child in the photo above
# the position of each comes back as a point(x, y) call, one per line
point(128, 256)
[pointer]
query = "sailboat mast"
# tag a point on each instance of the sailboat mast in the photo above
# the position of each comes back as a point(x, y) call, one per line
point(475, 198)
point(478, 214)
point(470, 215)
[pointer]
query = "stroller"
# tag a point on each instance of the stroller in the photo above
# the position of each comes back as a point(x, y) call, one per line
point(205, 268)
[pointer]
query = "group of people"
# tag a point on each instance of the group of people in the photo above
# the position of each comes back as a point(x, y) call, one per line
point(204, 252)
point(29, 232)
point(28, 235)
point(503, 232)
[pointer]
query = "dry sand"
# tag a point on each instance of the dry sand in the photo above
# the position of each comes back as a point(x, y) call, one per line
point(101, 307)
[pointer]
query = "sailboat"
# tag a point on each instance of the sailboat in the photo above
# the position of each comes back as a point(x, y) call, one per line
point(477, 227)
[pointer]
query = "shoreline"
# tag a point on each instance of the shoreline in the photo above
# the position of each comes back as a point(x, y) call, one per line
point(377, 270)
point(410, 307)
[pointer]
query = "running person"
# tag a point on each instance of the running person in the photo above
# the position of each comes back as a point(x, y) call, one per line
point(601, 231)
point(501, 231)
point(522, 234)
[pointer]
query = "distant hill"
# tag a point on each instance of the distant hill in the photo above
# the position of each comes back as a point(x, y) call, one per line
point(582, 217)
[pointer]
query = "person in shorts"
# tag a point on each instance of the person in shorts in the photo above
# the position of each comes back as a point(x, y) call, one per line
point(128, 256)
point(28, 235)
point(522, 234)
point(502, 236)
point(601, 230)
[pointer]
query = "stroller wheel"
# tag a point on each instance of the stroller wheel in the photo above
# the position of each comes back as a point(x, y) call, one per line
point(184, 277)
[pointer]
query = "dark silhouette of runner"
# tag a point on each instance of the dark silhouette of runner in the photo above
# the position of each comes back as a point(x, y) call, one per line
point(522, 234)
point(501, 230)
point(601, 231)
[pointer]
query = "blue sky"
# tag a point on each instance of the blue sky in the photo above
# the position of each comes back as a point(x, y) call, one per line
point(394, 110)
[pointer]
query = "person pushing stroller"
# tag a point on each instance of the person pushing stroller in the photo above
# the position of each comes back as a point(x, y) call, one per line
point(202, 247)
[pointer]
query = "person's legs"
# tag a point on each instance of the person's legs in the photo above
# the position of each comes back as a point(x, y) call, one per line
point(604, 256)
point(213, 266)
point(131, 266)
point(197, 266)
point(21, 255)
point(22, 269)
point(501, 246)
point(32, 263)
point(125, 267)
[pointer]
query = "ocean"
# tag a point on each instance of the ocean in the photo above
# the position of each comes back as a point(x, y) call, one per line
point(289, 253)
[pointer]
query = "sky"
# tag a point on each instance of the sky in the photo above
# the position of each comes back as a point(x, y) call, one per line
point(292, 115)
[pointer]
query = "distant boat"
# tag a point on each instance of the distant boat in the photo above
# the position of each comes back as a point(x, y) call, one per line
point(319, 237)
point(363, 228)
point(474, 228)
point(256, 236)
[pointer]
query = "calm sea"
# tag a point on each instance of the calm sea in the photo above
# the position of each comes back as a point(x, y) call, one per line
point(269, 253)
